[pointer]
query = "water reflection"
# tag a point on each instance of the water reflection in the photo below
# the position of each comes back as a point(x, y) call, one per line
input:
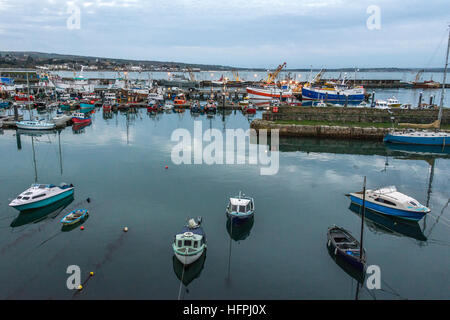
point(390, 225)
point(239, 231)
point(37, 215)
point(187, 274)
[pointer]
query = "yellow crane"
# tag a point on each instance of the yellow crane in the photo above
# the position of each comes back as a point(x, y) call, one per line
point(272, 76)
point(236, 76)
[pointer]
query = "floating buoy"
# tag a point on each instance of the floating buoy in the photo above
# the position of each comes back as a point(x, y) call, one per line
point(167, 167)
point(91, 273)
point(80, 287)
point(81, 228)
point(125, 229)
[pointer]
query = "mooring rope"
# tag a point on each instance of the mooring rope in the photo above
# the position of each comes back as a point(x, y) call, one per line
point(181, 282)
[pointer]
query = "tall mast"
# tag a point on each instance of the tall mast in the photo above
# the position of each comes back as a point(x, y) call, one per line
point(443, 82)
point(361, 253)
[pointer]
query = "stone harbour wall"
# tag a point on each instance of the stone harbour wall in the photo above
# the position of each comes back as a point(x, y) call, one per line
point(348, 114)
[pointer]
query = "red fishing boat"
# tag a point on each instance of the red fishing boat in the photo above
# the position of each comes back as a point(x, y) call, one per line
point(78, 118)
point(23, 97)
point(180, 99)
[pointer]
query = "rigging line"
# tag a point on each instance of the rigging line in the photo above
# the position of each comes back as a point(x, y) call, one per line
point(181, 282)
point(370, 293)
point(393, 291)
point(444, 36)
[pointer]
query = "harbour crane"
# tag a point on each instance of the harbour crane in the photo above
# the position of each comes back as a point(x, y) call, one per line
point(272, 76)
point(191, 74)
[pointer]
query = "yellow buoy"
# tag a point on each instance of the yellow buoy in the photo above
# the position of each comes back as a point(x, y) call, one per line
point(80, 287)
point(91, 273)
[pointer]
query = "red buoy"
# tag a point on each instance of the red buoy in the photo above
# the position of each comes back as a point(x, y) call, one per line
point(81, 228)
point(167, 167)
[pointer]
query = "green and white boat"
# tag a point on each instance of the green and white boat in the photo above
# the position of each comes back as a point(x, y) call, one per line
point(190, 243)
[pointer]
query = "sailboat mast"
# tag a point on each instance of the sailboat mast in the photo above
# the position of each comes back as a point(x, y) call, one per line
point(445, 78)
point(361, 255)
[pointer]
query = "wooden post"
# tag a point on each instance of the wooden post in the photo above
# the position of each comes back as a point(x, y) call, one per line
point(420, 99)
point(373, 99)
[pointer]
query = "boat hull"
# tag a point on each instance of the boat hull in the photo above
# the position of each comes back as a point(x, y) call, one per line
point(188, 259)
point(240, 217)
point(45, 202)
point(34, 127)
point(267, 94)
point(313, 94)
point(425, 140)
point(404, 214)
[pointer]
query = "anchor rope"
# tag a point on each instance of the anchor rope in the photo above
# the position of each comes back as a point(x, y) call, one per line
point(181, 282)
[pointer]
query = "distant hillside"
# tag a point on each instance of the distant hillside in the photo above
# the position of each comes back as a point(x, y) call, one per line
point(31, 59)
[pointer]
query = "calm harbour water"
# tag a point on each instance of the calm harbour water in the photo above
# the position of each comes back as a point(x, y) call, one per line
point(120, 164)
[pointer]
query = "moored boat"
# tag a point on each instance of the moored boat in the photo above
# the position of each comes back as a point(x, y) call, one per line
point(41, 195)
point(81, 118)
point(342, 244)
point(190, 243)
point(74, 217)
point(268, 93)
point(35, 125)
point(240, 207)
point(391, 202)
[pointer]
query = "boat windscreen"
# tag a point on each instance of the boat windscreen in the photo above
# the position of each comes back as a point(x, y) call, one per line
point(187, 243)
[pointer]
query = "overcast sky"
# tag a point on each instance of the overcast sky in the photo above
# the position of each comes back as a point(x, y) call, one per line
point(242, 33)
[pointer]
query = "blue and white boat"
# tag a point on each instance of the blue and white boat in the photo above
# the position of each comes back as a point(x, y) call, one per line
point(41, 195)
point(74, 217)
point(190, 243)
point(35, 125)
point(4, 104)
point(419, 137)
point(390, 202)
point(240, 207)
point(335, 94)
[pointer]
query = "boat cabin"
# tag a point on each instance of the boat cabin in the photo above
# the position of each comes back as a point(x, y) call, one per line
point(241, 206)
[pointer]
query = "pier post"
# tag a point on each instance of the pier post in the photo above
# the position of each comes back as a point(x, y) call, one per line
point(326, 97)
point(346, 100)
point(16, 113)
point(420, 99)
point(373, 99)
point(431, 100)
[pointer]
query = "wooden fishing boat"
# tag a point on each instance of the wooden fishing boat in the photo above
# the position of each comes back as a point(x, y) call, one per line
point(74, 216)
point(35, 125)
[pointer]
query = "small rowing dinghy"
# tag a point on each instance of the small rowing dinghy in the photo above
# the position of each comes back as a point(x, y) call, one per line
point(343, 245)
point(74, 217)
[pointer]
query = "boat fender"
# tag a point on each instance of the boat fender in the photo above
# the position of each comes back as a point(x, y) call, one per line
point(329, 242)
point(335, 251)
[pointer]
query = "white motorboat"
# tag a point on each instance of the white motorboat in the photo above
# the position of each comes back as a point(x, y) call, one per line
point(391, 202)
point(41, 195)
point(190, 243)
point(381, 104)
point(61, 119)
point(168, 106)
point(393, 102)
point(35, 125)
